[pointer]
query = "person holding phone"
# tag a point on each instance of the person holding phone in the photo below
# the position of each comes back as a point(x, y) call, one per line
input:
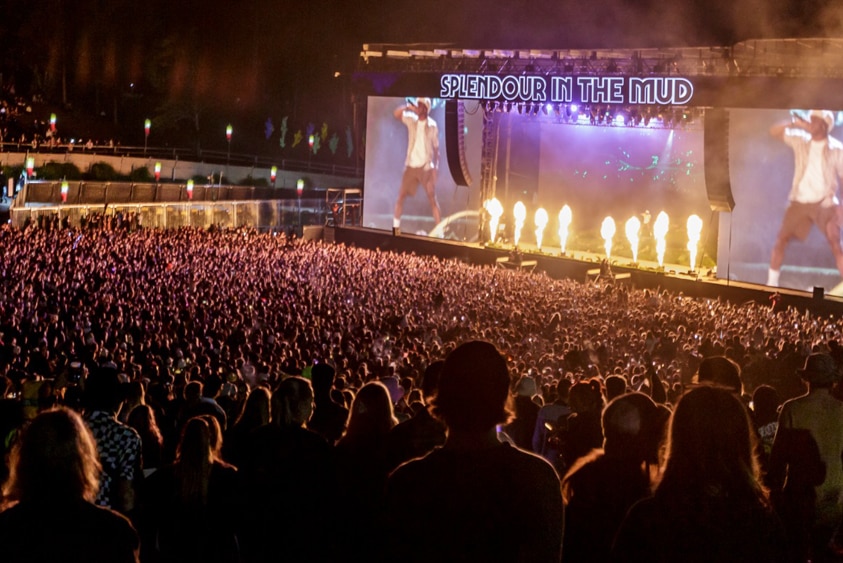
point(421, 165)
point(813, 194)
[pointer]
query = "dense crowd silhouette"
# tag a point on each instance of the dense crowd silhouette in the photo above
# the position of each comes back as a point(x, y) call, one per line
point(254, 397)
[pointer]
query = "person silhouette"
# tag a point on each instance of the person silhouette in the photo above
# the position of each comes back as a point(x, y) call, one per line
point(475, 498)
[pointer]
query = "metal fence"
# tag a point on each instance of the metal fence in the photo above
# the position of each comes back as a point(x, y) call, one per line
point(264, 215)
point(102, 193)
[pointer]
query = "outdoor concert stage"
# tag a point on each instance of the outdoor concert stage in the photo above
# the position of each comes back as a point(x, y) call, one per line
point(580, 266)
point(622, 146)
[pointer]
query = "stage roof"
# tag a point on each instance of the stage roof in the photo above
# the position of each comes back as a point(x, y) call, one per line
point(764, 73)
point(790, 58)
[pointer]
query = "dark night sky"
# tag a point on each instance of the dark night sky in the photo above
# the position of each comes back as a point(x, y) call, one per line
point(618, 23)
point(278, 57)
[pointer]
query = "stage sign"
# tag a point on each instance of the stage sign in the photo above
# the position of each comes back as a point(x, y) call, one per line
point(649, 90)
point(749, 91)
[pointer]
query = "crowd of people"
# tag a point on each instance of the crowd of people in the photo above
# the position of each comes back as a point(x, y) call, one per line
point(251, 397)
point(22, 130)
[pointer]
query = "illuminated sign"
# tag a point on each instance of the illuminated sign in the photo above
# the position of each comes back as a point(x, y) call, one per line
point(651, 90)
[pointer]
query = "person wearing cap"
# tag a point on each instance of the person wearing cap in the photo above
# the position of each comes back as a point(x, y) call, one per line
point(813, 194)
point(475, 498)
point(421, 165)
point(805, 469)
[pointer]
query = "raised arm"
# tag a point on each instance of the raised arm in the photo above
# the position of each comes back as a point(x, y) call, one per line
point(777, 131)
point(399, 111)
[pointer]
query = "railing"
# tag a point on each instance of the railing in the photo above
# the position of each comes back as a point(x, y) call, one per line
point(276, 215)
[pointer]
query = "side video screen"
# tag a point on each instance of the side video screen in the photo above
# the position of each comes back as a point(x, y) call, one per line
point(784, 231)
point(407, 180)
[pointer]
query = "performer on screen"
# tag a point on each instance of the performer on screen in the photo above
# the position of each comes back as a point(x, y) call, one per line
point(422, 163)
point(813, 195)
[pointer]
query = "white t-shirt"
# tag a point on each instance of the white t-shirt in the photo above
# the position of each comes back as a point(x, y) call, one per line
point(419, 156)
point(812, 186)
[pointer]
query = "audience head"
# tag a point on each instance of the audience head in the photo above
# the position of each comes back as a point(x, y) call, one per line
point(212, 386)
point(215, 431)
point(430, 379)
point(142, 419)
point(103, 390)
point(711, 445)
point(563, 389)
point(820, 371)
point(584, 398)
point(194, 457)
point(55, 460)
point(632, 428)
point(526, 387)
point(473, 388)
point(721, 371)
point(292, 402)
point(322, 376)
point(193, 391)
point(765, 404)
point(256, 408)
point(371, 412)
point(615, 386)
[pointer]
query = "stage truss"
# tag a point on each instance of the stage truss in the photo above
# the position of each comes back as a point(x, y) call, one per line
point(790, 58)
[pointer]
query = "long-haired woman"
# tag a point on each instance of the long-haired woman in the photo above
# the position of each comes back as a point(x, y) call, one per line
point(192, 505)
point(363, 468)
point(254, 415)
point(709, 504)
point(142, 419)
point(49, 514)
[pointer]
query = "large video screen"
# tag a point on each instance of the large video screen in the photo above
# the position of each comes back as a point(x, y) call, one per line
point(598, 171)
point(387, 152)
point(762, 169)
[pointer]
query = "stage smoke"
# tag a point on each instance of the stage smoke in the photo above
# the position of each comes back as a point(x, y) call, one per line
point(660, 233)
point(607, 231)
point(633, 226)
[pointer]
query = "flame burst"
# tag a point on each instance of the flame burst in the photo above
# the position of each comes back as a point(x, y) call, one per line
point(633, 226)
point(660, 232)
point(541, 223)
point(694, 230)
point(564, 222)
point(495, 209)
point(607, 231)
point(520, 214)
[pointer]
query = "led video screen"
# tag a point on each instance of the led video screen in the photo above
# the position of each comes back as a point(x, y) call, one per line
point(598, 171)
point(387, 140)
point(770, 201)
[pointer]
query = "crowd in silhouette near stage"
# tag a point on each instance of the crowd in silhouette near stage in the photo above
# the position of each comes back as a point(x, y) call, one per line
point(228, 395)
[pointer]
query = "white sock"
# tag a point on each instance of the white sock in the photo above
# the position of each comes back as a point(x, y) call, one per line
point(396, 223)
point(773, 277)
